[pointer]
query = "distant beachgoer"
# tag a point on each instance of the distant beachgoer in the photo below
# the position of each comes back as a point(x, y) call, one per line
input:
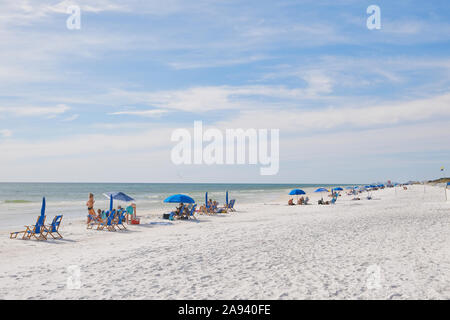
point(300, 200)
point(306, 200)
point(99, 214)
point(90, 206)
point(291, 202)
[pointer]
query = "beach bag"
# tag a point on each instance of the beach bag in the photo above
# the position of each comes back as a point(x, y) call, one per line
point(166, 215)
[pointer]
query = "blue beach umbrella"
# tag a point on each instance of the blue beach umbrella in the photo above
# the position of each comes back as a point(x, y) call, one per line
point(120, 196)
point(296, 192)
point(179, 198)
point(43, 207)
point(117, 196)
point(322, 190)
point(226, 198)
point(206, 198)
point(338, 189)
point(448, 184)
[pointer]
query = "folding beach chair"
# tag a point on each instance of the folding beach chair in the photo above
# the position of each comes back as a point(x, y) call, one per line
point(214, 208)
point(119, 222)
point(191, 213)
point(231, 205)
point(36, 231)
point(95, 221)
point(54, 228)
point(109, 223)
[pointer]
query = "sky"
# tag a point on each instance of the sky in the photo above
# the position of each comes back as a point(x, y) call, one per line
point(100, 103)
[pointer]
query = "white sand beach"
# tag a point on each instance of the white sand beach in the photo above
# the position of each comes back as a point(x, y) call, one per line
point(396, 246)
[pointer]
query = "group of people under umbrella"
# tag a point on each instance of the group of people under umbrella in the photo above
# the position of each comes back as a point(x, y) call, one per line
point(305, 200)
point(130, 215)
point(187, 207)
point(334, 193)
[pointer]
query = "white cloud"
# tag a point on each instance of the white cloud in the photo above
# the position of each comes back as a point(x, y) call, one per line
point(351, 145)
point(393, 113)
point(23, 12)
point(85, 144)
point(71, 118)
point(6, 133)
point(199, 99)
point(30, 111)
point(153, 113)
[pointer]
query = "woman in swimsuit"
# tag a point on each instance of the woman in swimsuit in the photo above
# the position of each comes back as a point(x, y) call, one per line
point(90, 206)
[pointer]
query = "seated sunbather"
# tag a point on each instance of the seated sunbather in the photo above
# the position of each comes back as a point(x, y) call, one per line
point(306, 200)
point(185, 212)
point(201, 209)
point(291, 202)
point(179, 210)
point(209, 206)
point(323, 202)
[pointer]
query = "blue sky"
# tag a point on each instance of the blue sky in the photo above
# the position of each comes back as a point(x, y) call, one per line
point(100, 103)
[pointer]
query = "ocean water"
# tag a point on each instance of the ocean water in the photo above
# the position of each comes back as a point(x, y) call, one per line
point(20, 203)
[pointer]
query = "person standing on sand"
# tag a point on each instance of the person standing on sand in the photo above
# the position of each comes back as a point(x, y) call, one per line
point(90, 206)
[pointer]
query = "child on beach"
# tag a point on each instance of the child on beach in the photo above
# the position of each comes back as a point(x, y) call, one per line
point(99, 214)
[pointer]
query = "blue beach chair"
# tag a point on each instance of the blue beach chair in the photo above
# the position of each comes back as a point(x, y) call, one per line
point(231, 205)
point(191, 213)
point(36, 231)
point(108, 223)
point(53, 228)
point(119, 222)
point(94, 221)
